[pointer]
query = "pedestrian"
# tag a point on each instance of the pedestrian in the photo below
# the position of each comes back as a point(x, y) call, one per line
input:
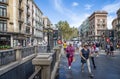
point(70, 53)
point(85, 54)
point(111, 50)
point(92, 54)
point(64, 46)
point(107, 49)
point(97, 48)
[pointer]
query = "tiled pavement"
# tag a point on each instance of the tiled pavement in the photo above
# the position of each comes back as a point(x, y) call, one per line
point(107, 68)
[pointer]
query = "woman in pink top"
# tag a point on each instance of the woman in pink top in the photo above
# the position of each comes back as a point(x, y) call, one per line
point(70, 53)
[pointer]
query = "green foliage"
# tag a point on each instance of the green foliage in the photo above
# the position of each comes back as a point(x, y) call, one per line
point(5, 47)
point(66, 31)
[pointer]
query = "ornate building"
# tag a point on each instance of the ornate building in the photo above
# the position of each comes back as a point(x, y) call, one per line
point(97, 25)
point(20, 22)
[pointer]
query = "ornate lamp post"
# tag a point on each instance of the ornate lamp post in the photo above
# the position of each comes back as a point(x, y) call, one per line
point(48, 39)
point(48, 31)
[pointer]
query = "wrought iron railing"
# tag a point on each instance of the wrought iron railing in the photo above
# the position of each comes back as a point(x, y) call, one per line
point(42, 49)
point(7, 56)
point(26, 51)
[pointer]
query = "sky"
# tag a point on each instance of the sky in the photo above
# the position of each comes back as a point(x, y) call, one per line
point(77, 11)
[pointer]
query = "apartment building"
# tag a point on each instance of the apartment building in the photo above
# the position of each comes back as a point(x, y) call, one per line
point(114, 23)
point(118, 25)
point(4, 18)
point(97, 25)
point(20, 22)
point(84, 29)
point(37, 20)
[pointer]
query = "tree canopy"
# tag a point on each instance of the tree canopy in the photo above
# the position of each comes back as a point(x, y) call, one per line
point(66, 31)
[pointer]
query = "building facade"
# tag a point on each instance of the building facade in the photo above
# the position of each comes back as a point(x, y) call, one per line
point(97, 23)
point(37, 21)
point(118, 25)
point(114, 23)
point(84, 29)
point(20, 22)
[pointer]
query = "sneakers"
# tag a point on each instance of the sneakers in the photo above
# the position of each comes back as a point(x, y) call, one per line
point(69, 67)
point(91, 75)
point(82, 70)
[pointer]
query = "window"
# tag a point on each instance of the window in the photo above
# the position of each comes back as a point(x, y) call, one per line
point(4, 1)
point(20, 27)
point(98, 20)
point(3, 11)
point(103, 20)
point(3, 25)
point(20, 1)
point(27, 29)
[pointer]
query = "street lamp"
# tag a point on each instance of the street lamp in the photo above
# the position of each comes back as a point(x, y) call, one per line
point(48, 45)
point(48, 30)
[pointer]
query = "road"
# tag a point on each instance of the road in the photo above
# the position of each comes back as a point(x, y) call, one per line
point(107, 68)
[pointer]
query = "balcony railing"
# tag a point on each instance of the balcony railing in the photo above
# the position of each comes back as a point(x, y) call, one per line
point(21, 8)
point(27, 51)
point(28, 5)
point(28, 13)
point(28, 23)
point(21, 19)
point(5, 16)
point(4, 2)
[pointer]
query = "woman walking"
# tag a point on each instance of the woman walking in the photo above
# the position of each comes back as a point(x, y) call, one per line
point(85, 54)
point(92, 54)
point(70, 53)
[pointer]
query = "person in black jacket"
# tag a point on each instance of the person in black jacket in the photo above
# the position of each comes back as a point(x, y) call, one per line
point(111, 50)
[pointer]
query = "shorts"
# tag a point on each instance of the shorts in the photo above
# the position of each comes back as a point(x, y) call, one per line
point(64, 49)
point(97, 49)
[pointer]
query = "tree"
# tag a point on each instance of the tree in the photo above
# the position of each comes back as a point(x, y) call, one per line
point(66, 31)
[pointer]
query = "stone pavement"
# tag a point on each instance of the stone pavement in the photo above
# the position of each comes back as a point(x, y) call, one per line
point(107, 68)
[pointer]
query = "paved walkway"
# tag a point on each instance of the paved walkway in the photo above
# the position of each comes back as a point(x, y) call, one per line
point(107, 68)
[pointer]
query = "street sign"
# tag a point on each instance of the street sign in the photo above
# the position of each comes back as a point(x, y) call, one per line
point(108, 40)
point(59, 42)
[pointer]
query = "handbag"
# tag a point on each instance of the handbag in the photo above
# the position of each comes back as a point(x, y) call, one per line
point(67, 55)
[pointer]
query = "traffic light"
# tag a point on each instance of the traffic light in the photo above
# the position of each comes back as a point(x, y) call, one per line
point(111, 35)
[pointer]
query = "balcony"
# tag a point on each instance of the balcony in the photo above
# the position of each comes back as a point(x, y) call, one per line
point(28, 23)
point(4, 2)
point(118, 25)
point(4, 30)
point(21, 19)
point(4, 16)
point(28, 13)
point(28, 5)
point(21, 8)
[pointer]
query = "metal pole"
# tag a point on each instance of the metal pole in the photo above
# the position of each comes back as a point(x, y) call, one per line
point(48, 45)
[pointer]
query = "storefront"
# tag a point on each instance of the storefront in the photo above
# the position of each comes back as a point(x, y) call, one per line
point(19, 40)
point(5, 40)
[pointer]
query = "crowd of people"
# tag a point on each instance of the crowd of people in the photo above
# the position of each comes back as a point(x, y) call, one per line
point(87, 52)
